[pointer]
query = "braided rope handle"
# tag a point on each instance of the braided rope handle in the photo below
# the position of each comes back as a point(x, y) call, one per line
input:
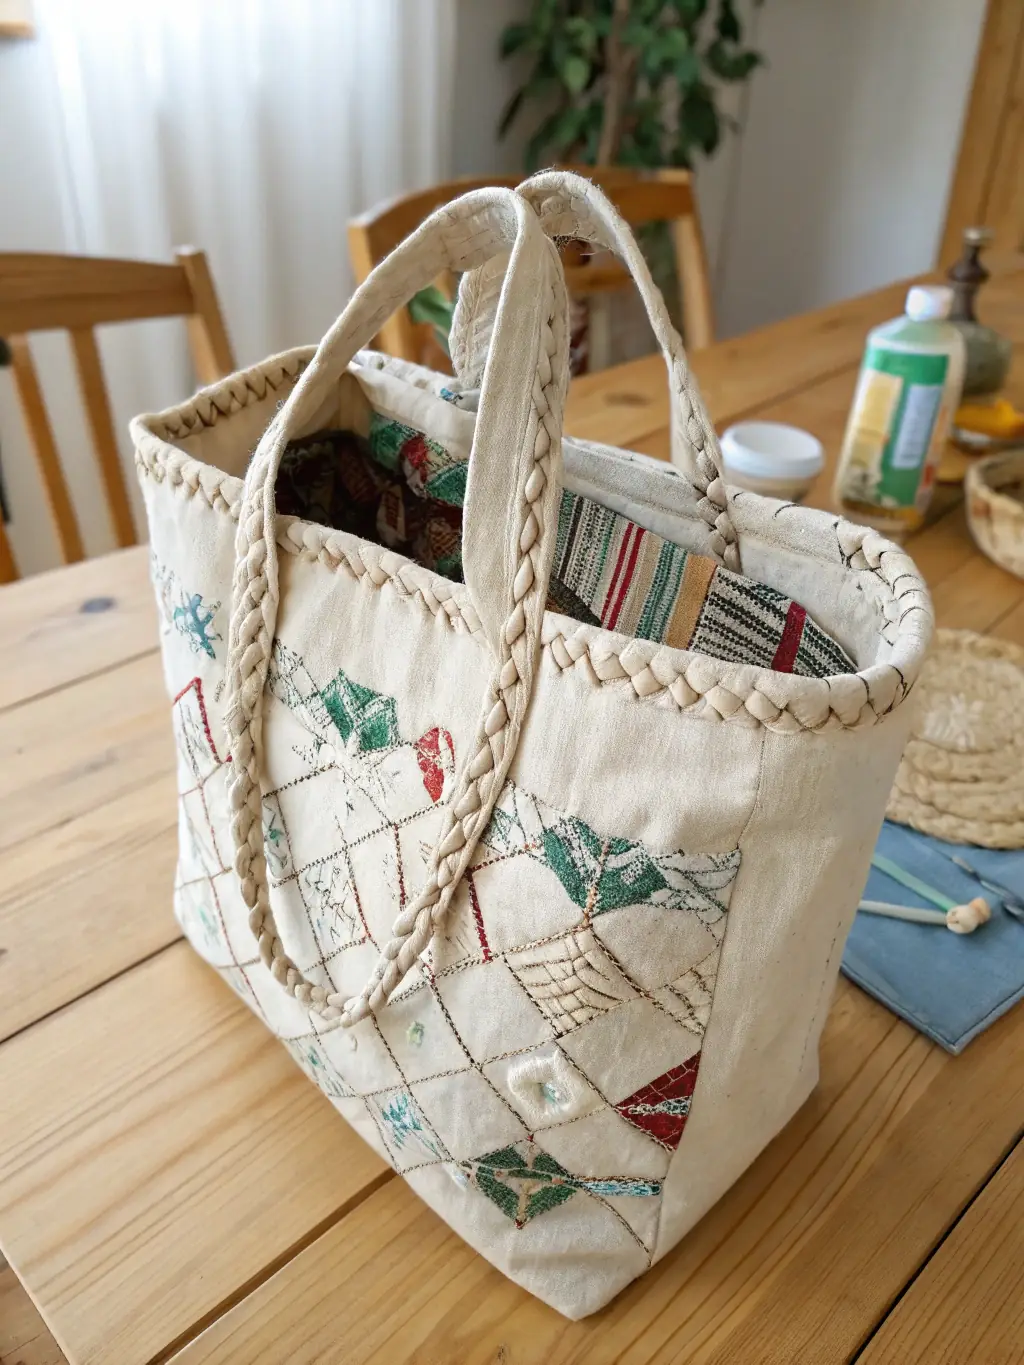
point(570, 206)
point(514, 490)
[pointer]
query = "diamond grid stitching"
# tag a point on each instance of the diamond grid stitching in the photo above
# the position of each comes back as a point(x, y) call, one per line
point(571, 978)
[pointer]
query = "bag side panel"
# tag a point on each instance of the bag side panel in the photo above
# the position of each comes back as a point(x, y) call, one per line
point(805, 858)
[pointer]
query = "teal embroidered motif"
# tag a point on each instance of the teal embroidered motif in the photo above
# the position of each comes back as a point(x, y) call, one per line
point(372, 716)
point(193, 620)
point(524, 1184)
point(408, 1129)
point(608, 874)
point(185, 612)
point(318, 1066)
point(602, 874)
point(274, 842)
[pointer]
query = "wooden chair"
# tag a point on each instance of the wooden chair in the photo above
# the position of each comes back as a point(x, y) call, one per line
point(77, 294)
point(641, 197)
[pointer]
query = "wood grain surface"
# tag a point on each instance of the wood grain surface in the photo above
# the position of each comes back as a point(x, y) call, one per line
point(166, 1153)
point(24, 1338)
point(967, 1305)
point(60, 627)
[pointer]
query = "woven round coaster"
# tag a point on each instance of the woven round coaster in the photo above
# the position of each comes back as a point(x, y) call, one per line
point(962, 773)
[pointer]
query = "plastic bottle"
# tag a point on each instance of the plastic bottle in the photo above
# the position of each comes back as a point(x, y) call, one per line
point(909, 386)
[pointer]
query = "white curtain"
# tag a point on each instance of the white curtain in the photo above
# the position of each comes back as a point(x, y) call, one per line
point(254, 129)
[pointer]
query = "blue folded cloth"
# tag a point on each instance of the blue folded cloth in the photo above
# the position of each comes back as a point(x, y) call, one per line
point(950, 986)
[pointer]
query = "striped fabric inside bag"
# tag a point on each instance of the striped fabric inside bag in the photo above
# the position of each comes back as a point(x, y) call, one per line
point(405, 490)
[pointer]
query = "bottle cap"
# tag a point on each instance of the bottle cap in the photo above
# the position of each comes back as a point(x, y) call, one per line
point(929, 302)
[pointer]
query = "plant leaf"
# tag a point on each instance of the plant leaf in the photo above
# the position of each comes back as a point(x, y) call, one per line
point(731, 65)
point(575, 73)
point(698, 119)
point(558, 133)
point(687, 69)
point(727, 25)
point(514, 37)
point(582, 33)
point(691, 10)
point(430, 305)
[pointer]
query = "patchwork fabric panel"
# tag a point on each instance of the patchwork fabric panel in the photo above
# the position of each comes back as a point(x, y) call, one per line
point(406, 491)
point(597, 956)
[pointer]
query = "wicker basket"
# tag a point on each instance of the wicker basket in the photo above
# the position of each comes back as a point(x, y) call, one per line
point(995, 508)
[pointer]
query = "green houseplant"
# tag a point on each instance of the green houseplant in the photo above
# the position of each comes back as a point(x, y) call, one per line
point(631, 82)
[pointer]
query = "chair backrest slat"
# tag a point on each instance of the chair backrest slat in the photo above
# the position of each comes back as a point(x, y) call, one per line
point(8, 569)
point(211, 348)
point(37, 422)
point(640, 196)
point(39, 292)
point(101, 425)
point(76, 294)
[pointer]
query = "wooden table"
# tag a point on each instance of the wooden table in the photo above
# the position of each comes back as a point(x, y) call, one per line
point(173, 1188)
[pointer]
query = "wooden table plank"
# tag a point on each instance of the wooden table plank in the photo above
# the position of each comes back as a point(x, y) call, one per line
point(88, 780)
point(794, 1263)
point(70, 751)
point(967, 1304)
point(163, 1155)
point(24, 1339)
point(1011, 626)
point(73, 622)
point(85, 901)
point(87, 776)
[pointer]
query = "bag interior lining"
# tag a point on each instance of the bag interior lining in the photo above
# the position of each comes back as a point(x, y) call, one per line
point(401, 488)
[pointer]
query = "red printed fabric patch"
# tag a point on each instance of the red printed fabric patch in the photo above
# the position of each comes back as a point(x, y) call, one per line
point(661, 1108)
point(435, 753)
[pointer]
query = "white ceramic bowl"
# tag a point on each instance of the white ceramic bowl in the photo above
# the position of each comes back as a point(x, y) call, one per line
point(772, 458)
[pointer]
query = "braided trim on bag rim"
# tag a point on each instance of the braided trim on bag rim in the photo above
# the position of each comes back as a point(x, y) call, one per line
point(703, 686)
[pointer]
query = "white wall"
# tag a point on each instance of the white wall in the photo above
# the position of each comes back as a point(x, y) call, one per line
point(845, 162)
point(483, 85)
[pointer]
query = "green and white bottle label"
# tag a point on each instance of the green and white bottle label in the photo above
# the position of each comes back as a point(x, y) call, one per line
point(894, 426)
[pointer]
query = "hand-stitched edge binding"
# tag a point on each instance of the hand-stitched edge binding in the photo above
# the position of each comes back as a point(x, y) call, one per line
point(703, 687)
point(570, 206)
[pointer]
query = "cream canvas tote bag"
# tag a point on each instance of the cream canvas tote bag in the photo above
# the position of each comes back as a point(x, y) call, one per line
point(538, 854)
